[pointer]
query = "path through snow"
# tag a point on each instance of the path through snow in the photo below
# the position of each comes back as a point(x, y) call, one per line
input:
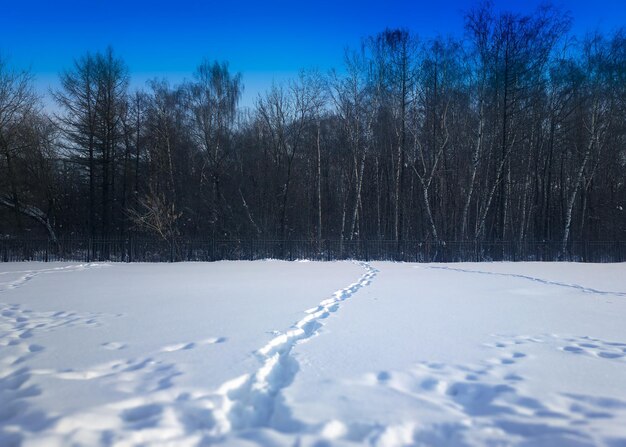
point(532, 278)
point(255, 400)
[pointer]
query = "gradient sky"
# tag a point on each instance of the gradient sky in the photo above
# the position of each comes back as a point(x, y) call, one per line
point(265, 40)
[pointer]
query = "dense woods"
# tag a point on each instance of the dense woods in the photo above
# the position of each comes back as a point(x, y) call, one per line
point(513, 130)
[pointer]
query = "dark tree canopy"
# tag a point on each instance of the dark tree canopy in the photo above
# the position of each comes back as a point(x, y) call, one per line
point(514, 131)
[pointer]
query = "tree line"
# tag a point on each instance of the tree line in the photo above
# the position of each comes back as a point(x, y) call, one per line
point(513, 130)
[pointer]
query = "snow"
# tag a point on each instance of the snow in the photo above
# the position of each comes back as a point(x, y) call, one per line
point(312, 353)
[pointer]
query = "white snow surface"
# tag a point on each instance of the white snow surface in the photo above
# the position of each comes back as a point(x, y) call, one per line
point(276, 353)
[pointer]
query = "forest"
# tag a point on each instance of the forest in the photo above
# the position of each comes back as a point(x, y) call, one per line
point(511, 130)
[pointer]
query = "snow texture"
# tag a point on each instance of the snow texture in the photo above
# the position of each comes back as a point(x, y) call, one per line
point(275, 353)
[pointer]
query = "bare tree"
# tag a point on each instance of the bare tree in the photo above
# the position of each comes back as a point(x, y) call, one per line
point(213, 100)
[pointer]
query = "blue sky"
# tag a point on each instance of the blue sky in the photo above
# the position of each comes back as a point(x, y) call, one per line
point(265, 40)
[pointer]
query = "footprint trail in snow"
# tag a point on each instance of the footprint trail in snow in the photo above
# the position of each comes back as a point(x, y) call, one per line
point(255, 400)
point(531, 278)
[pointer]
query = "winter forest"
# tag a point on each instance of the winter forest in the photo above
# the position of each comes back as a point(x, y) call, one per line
point(512, 129)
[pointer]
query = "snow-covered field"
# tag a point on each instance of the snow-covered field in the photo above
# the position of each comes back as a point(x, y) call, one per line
point(312, 354)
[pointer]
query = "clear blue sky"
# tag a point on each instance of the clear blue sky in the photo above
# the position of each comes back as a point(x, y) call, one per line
point(265, 40)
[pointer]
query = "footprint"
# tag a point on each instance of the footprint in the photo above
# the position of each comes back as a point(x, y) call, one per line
point(15, 380)
point(114, 345)
point(144, 416)
point(429, 384)
point(383, 376)
point(36, 348)
point(217, 340)
point(436, 366)
point(513, 378)
point(179, 347)
point(573, 349)
point(26, 334)
point(610, 355)
point(190, 345)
